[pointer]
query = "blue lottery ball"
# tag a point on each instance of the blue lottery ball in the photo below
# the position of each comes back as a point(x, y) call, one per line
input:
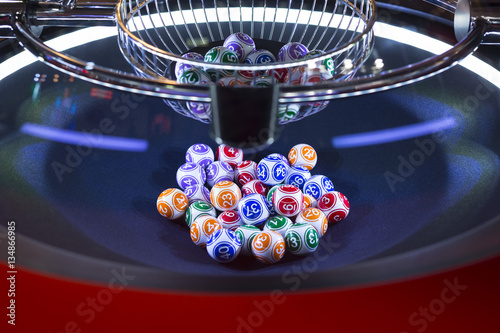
point(297, 176)
point(271, 170)
point(317, 186)
point(190, 174)
point(219, 171)
point(253, 209)
point(223, 245)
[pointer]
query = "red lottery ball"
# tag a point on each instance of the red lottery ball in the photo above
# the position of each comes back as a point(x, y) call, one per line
point(230, 219)
point(245, 172)
point(288, 200)
point(254, 186)
point(228, 154)
point(335, 206)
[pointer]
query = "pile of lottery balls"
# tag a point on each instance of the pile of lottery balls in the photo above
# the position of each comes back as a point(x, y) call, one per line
point(258, 209)
point(240, 48)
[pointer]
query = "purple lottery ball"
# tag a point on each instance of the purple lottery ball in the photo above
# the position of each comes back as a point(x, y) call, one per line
point(241, 44)
point(190, 174)
point(219, 171)
point(201, 154)
point(292, 51)
point(197, 193)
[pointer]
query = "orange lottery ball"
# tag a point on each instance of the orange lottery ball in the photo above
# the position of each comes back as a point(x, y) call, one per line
point(314, 217)
point(268, 246)
point(225, 195)
point(201, 229)
point(303, 155)
point(172, 203)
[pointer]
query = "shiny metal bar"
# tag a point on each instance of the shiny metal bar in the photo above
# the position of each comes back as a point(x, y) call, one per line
point(469, 11)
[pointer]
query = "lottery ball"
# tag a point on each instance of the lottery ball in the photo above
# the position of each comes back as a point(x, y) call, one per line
point(245, 172)
point(181, 67)
point(201, 154)
point(271, 170)
point(314, 217)
point(228, 154)
point(230, 81)
point(268, 247)
point(194, 76)
point(220, 55)
point(281, 157)
point(287, 200)
point(172, 203)
point(297, 176)
point(190, 174)
point(254, 186)
point(324, 67)
point(311, 78)
point(335, 206)
point(198, 208)
point(295, 76)
point(288, 112)
point(253, 209)
point(202, 228)
point(225, 195)
point(246, 234)
point(303, 155)
point(309, 201)
point(280, 74)
point(263, 82)
point(197, 193)
point(279, 223)
point(269, 199)
point(223, 245)
point(219, 171)
point(292, 51)
point(260, 57)
point(301, 239)
point(200, 110)
point(318, 185)
point(230, 219)
point(241, 44)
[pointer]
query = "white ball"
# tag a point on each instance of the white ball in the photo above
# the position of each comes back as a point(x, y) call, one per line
point(268, 247)
point(223, 246)
point(190, 174)
point(201, 154)
point(241, 44)
point(318, 185)
point(202, 228)
point(292, 51)
point(314, 217)
point(324, 67)
point(172, 203)
point(181, 67)
point(219, 171)
point(246, 234)
point(303, 155)
point(197, 209)
point(271, 170)
point(220, 55)
point(335, 206)
point(297, 176)
point(197, 193)
point(230, 219)
point(302, 238)
point(279, 223)
point(260, 57)
point(252, 209)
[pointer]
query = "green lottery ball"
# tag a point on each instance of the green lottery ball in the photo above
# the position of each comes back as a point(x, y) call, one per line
point(246, 234)
point(279, 223)
point(220, 55)
point(301, 239)
point(325, 67)
point(197, 209)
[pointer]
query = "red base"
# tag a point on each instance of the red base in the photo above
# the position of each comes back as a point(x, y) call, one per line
point(461, 300)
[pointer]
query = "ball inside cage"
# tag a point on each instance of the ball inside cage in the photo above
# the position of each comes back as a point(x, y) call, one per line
point(155, 36)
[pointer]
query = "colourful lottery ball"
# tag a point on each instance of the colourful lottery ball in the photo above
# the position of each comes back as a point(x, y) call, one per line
point(324, 67)
point(190, 174)
point(297, 176)
point(230, 219)
point(223, 245)
point(271, 170)
point(200, 110)
point(245, 172)
point(172, 203)
point(303, 155)
point(260, 57)
point(201, 154)
point(253, 209)
point(241, 44)
point(279, 223)
point(181, 67)
point(314, 217)
point(295, 76)
point(288, 112)
point(197, 209)
point(309, 201)
point(280, 74)
point(317, 186)
point(254, 186)
point(220, 55)
point(202, 228)
point(194, 76)
point(197, 193)
point(229, 154)
point(246, 234)
point(301, 239)
point(268, 247)
point(270, 199)
point(219, 171)
point(225, 195)
point(281, 157)
point(292, 51)
point(335, 206)
point(287, 200)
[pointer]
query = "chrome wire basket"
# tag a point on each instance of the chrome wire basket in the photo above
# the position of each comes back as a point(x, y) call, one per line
point(154, 34)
